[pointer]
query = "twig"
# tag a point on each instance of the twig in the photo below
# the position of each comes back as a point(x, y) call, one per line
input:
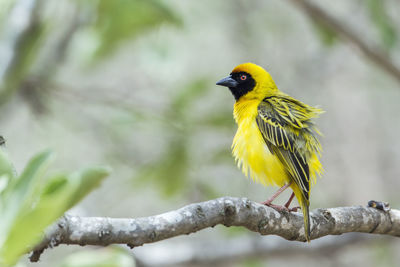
point(227, 211)
point(344, 32)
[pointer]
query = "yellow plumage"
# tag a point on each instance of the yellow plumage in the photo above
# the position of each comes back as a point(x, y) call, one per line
point(275, 143)
point(249, 148)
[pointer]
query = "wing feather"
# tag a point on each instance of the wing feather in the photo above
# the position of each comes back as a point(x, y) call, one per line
point(285, 126)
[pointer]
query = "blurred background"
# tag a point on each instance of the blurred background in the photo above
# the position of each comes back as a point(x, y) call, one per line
point(131, 84)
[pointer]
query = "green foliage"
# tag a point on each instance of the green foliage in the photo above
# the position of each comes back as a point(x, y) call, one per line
point(119, 20)
point(26, 51)
point(106, 257)
point(327, 36)
point(184, 99)
point(379, 18)
point(113, 22)
point(5, 7)
point(32, 201)
point(171, 172)
point(382, 22)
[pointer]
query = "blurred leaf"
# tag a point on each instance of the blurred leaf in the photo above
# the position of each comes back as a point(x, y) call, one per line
point(27, 228)
point(382, 22)
point(5, 8)
point(6, 171)
point(327, 36)
point(185, 97)
point(4, 180)
point(19, 192)
point(106, 257)
point(33, 202)
point(170, 172)
point(87, 180)
point(6, 167)
point(25, 53)
point(219, 119)
point(32, 176)
point(120, 20)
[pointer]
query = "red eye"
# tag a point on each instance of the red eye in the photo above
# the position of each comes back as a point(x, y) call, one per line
point(243, 77)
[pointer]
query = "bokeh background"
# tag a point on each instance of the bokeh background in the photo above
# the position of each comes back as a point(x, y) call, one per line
point(131, 84)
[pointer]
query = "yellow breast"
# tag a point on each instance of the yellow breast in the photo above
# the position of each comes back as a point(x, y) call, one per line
point(249, 149)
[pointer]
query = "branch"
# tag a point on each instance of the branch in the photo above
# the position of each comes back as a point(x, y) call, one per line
point(320, 16)
point(227, 211)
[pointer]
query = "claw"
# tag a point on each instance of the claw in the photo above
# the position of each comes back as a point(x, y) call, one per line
point(294, 209)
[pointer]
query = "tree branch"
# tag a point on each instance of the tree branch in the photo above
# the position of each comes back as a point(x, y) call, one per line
point(372, 53)
point(227, 211)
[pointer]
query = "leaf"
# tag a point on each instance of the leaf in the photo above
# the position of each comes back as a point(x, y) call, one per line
point(32, 177)
point(6, 167)
point(27, 229)
point(4, 179)
point(19, 192)
point(88, 180)
point(6, 175)
point(34, 203)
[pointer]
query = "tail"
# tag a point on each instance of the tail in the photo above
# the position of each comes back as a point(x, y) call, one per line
point(306, 214)
point(304, 204)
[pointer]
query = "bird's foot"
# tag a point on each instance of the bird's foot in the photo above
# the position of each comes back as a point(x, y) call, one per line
point(277, 207)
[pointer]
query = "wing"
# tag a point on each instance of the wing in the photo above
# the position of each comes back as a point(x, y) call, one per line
point(286, 127)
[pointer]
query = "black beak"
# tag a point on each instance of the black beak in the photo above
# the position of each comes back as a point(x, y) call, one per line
point(228, 82)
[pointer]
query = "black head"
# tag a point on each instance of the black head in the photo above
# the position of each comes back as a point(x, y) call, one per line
point(239, 83)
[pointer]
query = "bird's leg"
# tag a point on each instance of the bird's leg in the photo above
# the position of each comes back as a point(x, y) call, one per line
point(268, 202)
point(290, 201)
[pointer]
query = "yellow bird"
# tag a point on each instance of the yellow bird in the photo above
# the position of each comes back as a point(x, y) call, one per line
point(276, 140)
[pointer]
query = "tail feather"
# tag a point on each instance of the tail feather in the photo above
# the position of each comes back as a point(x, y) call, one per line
point(304, 204)
point(306, 214)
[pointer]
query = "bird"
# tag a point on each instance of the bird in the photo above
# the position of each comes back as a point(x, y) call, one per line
point(276, 142)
